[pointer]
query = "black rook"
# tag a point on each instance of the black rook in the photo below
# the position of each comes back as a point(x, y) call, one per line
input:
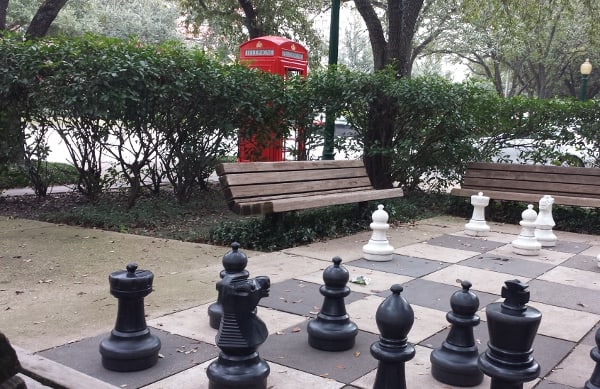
point(130, 345)
point(512, 327)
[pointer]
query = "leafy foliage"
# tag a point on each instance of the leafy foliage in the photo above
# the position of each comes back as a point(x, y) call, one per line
point(149, 20)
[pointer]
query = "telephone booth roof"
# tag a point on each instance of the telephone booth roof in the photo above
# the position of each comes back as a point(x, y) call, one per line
point(273, 47)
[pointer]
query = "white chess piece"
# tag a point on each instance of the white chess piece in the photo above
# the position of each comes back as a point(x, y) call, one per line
point(598, 259)
point(477, 225)
point(544, 223)
point(379, 248)
point(526, 244)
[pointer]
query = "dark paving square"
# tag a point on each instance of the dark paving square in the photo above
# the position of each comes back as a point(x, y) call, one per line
point(179, 354)
point(583, 262)
point(435, 295)
point(589, 338)
point(508, 264)
point(480, 245)
point(568, 247)
point(547, 351)
point(545, 384)
point(300, 297)
point(401, 264)
point(292, 349)
point(580, 299)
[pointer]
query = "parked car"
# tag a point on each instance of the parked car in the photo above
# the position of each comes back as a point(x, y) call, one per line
point(576, 152)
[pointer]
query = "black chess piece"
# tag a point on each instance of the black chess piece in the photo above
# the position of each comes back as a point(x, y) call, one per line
point(594, 381)
point(512, 327)
point(241, 332)
point(332, 329)
point(395, 318)
point(130, 346)
point(455, 363)
point(234, 263)
point(9, 366)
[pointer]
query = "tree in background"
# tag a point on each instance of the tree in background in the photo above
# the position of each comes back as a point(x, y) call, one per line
point(150, 20)
point(392, 26)
point(355, 51)
point(38, 22)
point(529, 47)
point(232, 22)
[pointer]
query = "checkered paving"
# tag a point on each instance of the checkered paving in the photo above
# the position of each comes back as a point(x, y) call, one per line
point(564, 282)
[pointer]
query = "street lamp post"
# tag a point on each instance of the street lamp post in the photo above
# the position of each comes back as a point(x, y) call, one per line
point(333, 58)
point(585, 69)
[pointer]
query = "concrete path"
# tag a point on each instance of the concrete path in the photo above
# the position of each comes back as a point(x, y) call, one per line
point(55, 303)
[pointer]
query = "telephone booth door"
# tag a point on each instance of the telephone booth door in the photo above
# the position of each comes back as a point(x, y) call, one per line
point(275, 55)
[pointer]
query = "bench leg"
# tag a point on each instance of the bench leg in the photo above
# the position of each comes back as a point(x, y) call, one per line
point(274, 218)
point(361, 208)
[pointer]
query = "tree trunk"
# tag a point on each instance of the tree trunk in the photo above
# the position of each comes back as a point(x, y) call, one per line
point(378, 142)
point(3, 8)
point(43, 18)
point(402, 19)
point(255, 28)
point(376, 35)
point(12, 137)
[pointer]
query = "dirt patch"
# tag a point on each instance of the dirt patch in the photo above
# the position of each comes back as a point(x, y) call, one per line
point(154, 215)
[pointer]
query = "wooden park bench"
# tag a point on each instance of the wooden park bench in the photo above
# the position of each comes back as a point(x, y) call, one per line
point(575, 186)
point(254, 188)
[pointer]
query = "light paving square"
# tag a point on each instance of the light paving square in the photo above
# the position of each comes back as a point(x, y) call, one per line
point(435, 253)
point(482, 280)
point(379, 281)
point(573, 277)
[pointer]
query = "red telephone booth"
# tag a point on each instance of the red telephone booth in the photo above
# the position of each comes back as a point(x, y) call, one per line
point(275, 55)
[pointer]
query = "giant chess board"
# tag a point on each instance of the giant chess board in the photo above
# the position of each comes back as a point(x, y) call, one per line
point(564, 283)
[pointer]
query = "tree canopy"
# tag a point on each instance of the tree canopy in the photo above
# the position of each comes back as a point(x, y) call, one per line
point(531, 47)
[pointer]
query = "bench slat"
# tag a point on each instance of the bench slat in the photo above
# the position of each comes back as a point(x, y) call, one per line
point(300, 195)
point(291, 204)
point(533, 168)
point(252, 188)
point(290, 176)
point(528, 197)
point(534, 187)
point(501, 181)
point(565, 178)
point(249, 167)
point(245, 191)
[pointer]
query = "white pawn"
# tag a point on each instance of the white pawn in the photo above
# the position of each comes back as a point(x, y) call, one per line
point(544, 223)
point(477, 225)
point(526, 244)
point(379, 248)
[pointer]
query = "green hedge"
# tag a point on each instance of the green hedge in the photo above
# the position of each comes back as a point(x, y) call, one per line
point(168, 113)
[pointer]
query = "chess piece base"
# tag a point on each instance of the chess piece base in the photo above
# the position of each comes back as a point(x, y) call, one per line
point(526, 246)
point(477, 228)
point(378, 257)
point(511, 377)
point(545, 237)
point(457, 367)
point(238, 372)
point(331, 336)
point(378, 250)
point(123, 352)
